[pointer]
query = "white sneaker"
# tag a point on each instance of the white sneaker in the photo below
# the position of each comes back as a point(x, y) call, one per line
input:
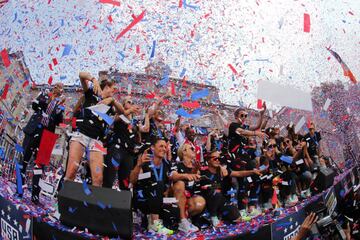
point(159, 228)
point(186, 226)
point(291, 201)
point(215, 221)
point(255, 212)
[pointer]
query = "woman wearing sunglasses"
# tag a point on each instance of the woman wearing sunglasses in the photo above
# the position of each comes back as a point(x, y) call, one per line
point(241, 155)
point(215, 182)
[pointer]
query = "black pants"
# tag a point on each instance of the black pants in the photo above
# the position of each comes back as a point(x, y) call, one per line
point(169, 213)
point(217, 205)
point(290, 178)
point(31, 145)
point(117, 161)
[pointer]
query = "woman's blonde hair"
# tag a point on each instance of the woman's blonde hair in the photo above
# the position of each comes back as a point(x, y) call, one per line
point(180, 151)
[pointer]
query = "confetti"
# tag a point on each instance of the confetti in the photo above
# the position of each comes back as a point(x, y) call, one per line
point(66, 51)
point(200, 94)
point(5, 58)
point(131, 25)
point(5, 91)
point(306, 22)
point(112, 2)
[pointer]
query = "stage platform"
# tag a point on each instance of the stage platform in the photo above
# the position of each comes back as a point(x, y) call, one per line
point(21, 219)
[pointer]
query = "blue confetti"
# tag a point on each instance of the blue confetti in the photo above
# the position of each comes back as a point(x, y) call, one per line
point(286, 159)
point(71, 210)
point(165, 79)
point(200, 94)
point(67, 49)
point(101, 205)
point(109, 120)
point(153, 50)
point(182, 74)
point(114, 163)
point(86, 188)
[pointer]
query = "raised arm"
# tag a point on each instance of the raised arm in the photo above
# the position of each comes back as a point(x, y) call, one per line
point(146, 127)
point(259, 123)
point(84, 78)
point(134, 174)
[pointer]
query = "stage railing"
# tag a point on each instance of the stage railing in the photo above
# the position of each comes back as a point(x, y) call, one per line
point(7, 155)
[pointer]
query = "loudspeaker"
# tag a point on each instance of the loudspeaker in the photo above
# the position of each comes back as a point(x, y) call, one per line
point(324, 179)
point(102, 211)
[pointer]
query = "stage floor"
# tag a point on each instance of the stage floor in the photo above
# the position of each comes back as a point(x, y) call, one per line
point(47, 226)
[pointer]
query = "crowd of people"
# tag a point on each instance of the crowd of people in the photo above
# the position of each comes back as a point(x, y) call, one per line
point(178, 183)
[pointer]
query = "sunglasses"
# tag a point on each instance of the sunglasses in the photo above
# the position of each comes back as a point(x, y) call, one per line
point(243, 115)
point(272, 146)
point(129, 102)
point(215, 158)
point(287, 141)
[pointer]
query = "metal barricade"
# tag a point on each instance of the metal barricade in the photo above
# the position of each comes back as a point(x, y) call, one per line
point(8, 154)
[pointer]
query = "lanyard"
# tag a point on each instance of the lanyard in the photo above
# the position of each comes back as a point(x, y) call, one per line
point(157, 176)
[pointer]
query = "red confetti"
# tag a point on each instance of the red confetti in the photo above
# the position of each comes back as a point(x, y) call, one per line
point(50, 66)
point(351, 13)
point(5, 91)
point(110, 19)
point(50, 80)
point(259, 104)
point(173, 89)
point(115, 3)
point(180, 3)
point(137, 49)
point(232, 69)
point(25, 83)
point(55, 62)
point(5, 58)
point(150, 96)
point(191, 104)
point(132, 24)
point(101, 148)
point(306, 22)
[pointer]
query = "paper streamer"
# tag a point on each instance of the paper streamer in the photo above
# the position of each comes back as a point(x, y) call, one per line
point(5, 58)
point(286, 159)
point(132, 24)
point(67, 49)
point(5, 91)
point(200, 94)
point(115, 3)
point(153, 50)
point(109, 120)
point(306, 22)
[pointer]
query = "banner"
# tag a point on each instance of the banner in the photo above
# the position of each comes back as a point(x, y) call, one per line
point(288, 227)
point(15, 224)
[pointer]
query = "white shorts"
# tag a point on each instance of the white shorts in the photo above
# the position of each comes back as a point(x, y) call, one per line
point(92, 144)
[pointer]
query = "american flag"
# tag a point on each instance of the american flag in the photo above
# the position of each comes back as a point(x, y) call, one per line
point(3, 2)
